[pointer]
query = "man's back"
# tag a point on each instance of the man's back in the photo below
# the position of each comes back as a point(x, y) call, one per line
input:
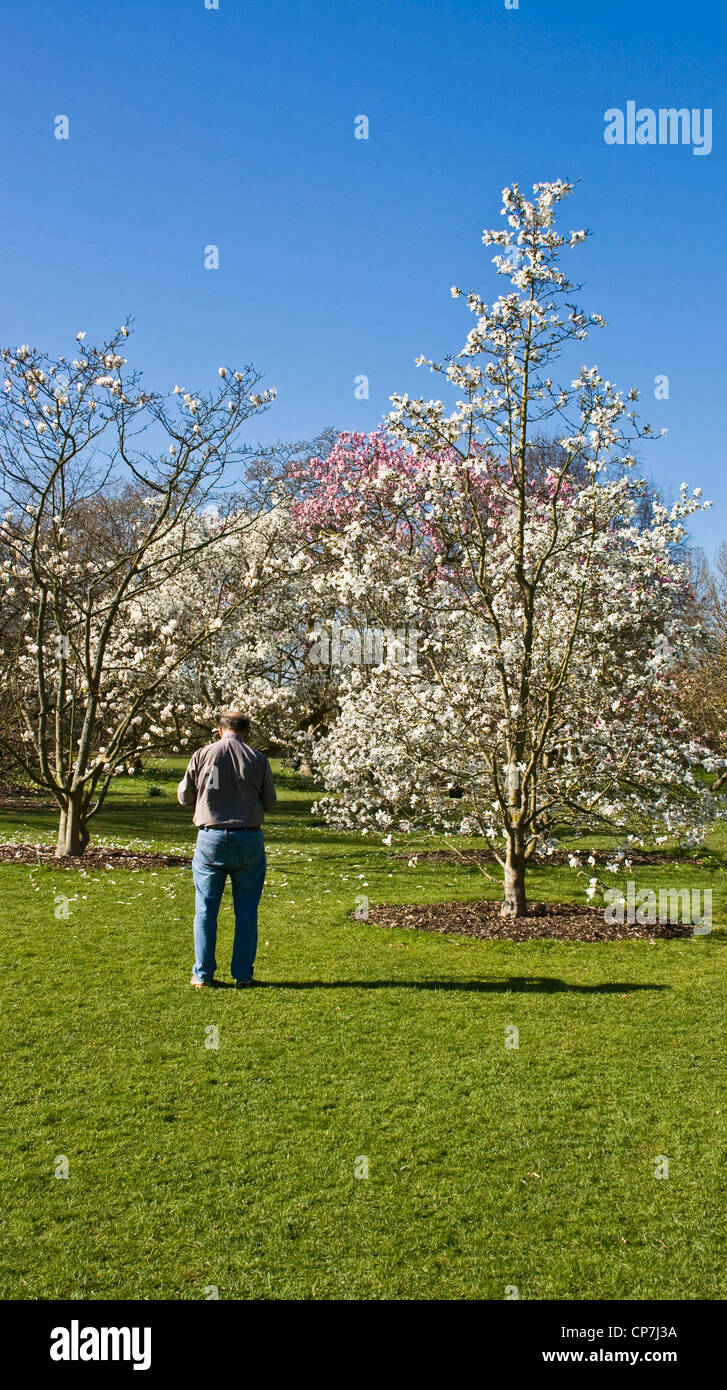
point(228, 783)
point(230, 786)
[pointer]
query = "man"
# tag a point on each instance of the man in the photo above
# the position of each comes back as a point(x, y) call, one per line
point(230, 786)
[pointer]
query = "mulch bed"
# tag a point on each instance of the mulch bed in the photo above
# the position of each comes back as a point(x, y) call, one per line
point(96, 857)
point(556, 921)
point(23, 799)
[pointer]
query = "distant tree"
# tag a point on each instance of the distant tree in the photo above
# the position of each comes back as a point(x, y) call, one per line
point(259, 659)
point(95, 526)
point(702, 676)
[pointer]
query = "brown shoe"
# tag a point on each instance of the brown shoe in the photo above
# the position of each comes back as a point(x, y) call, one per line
point(201, 984)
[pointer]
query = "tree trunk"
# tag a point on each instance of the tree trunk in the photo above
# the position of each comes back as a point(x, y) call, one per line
point(72, 830)
point(515, 902)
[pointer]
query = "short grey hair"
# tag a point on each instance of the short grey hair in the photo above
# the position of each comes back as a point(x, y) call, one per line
point(235, 721)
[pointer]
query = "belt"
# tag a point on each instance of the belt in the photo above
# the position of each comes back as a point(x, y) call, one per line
point(230, 828)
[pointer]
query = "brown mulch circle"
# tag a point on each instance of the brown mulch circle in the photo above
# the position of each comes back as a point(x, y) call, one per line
point(556, 921)
point(23, 803)
point(96, 857)
point(23, 799)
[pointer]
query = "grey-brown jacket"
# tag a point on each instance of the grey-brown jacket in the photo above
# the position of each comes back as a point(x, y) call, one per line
point(228, 783)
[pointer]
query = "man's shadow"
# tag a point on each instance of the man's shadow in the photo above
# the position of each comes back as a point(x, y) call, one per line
point(527, 984)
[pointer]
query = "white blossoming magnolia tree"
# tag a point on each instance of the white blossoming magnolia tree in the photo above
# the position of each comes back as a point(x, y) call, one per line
point(550, 612)
point(97, 530)
point(259, 659)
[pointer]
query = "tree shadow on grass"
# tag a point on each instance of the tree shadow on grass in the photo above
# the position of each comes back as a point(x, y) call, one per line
point(529, 984)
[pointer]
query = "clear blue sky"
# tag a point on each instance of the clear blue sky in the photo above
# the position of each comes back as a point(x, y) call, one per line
point(236, 127)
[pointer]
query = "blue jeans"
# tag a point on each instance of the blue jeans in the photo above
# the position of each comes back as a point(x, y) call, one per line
point(241, 854)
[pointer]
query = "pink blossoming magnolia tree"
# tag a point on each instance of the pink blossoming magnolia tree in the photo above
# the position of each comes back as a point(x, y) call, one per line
point(550, 614)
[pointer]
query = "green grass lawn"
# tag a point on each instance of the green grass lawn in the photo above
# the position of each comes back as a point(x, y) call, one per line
point(192, 1167)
